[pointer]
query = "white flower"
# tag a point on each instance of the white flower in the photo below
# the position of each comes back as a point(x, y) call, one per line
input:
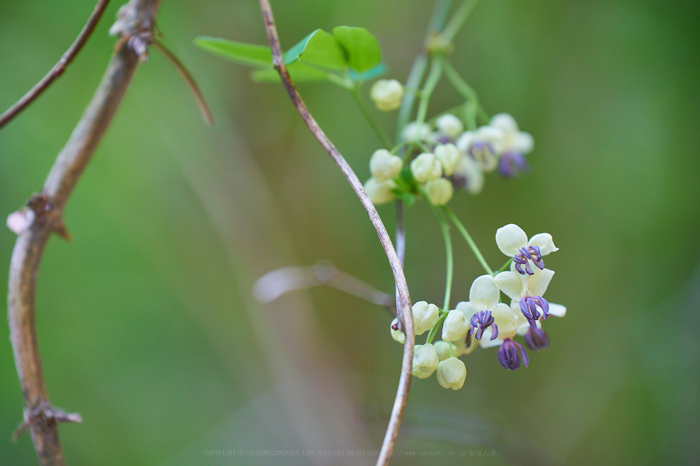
point(526, 292)
point(425, 361)
point(449, 125)
point(426, 167)
point(446, 349)
point(397, 334)
point(439, 191)
point(512, 138)
point(451, 373)
point(456, 326)
point(512, 241)
point(468, 175)
point(483, 307)
point(380, 193)
point(413, 132)
point(448, 155)
point(384, 166)
point(425, 316)
point(482, 145)
point(387, 94)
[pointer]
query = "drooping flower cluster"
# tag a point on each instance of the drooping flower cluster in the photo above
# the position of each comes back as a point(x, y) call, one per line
point(451, 158)
point(484, 320)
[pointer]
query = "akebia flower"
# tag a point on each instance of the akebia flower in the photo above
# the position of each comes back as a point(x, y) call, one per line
point(439, 191)
point(482, 146)
point(512, 146)
point(483, 302)
point(508, 355)
point(512, 241)
point(425, 316)
point(449, 125)
point(526, 292)
point(451, 373)
point(384, 166)
point(425, 361)
point(456, 326)
point(426, 167)
point(448, 155)
point(387, 94)
point(380, 193)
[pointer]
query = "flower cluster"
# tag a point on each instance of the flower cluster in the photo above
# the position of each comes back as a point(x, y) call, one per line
point(484, 320)
point(446, 157)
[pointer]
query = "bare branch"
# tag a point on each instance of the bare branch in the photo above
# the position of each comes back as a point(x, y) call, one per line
point(274, 284)
point(47, 207)
point(404, 300)
point(189, 80)
point(59, 68)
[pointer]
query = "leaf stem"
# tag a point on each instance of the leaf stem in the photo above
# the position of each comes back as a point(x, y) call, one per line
point(430, 83)
point(458, 19)
point(371, 118)
point(468, 238)
point(466, 91)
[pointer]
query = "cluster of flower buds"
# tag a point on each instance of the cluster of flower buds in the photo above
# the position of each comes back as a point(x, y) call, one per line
point(485, 321)
point(454, 159)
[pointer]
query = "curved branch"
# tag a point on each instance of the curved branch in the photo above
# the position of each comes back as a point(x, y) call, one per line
point(404, 299)
point(40, 418)
point(59, 68)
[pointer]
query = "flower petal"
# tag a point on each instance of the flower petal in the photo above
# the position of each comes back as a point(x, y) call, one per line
point(537, 284)
point(557, 310)
point(510, 283)
point(523, 143)
point(484, 293)
point(505, 319)
point(510, 238)
point(505, 122)
point(544, 242)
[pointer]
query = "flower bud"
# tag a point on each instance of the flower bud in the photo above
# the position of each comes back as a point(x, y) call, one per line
point(387, 94)
point(446, 349)
point(425, 361)
point(384, 166)
point(426, 167)
point(448, 155)
point(439, 191)
point(455, 326)
point(397, 334)
point(380, 193)
point(413, 132)
point(425, 316)
point(468, 175)
point(449, 125)
point(451, 373)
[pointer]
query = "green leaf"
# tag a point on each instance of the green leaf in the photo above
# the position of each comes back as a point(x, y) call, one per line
point(298, 72)
point(360, 45)
point(318, 49)
point(246, 54)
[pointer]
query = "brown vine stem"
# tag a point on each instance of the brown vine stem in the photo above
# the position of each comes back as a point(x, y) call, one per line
point(59, 68)
point(136, 20)
point(401, 285)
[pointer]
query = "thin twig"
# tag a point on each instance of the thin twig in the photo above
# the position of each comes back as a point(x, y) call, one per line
point(59, 68)
point(385, 240)
point(189, 80)
point(39, 416)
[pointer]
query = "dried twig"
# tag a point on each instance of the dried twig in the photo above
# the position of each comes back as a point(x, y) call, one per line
point(404, 300)
point(40, 418)
point(59, 68)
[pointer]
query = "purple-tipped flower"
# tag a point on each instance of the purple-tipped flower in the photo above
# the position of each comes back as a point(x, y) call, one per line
point(512, 163)
point(512, 241)
point(509, 355)
point(536, 339)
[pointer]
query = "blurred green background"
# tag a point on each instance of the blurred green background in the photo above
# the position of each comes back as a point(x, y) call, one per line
point(146, 321)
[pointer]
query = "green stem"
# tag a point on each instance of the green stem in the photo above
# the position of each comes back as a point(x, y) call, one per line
point(457, 20)
point(504, 266)
point(468, 238)
point(466, 91)
point(448, 254)
point(371, 119)
point(433, 331)
point(430, 83)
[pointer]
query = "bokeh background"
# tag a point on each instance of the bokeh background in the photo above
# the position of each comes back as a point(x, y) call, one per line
point(146, 320)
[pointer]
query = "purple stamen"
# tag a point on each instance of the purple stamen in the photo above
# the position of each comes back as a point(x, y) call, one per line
point(536, 339)
point(508, 355)
point(482, 151)
point(531, 253)
point(529, 305)
point(511, 163)
point(481, 321)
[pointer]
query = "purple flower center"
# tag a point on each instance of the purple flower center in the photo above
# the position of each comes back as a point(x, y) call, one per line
point(483, 152)
point(509, 355)
point(524, 256)
point(536, 339)
point(529, 305)
point(481, 321)
point(512, 163)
